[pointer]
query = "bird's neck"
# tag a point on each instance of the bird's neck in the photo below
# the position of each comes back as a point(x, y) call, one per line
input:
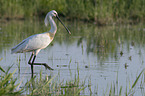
point(53, 25)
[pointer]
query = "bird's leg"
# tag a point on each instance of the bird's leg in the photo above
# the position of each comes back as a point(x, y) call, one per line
point(32, 64)
point(44, 64)
point(29, 62)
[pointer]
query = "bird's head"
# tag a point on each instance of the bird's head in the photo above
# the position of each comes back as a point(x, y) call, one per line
point(50, 14)
point(55, 14)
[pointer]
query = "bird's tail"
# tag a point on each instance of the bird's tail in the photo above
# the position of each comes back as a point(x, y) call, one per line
point(17, 48)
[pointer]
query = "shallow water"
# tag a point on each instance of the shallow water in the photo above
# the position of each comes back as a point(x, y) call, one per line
point(100, 56)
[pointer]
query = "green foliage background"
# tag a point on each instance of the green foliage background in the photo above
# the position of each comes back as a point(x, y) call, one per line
point(101, 11)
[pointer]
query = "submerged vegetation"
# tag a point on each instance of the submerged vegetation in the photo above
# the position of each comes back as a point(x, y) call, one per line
point(102, 12)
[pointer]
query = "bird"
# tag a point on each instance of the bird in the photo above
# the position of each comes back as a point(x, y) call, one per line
point(40, 41)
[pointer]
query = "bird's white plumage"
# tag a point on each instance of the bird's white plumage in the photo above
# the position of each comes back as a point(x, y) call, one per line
point(32, 43)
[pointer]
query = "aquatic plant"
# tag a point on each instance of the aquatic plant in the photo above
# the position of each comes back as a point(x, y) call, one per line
point(8, 84)
point(49, 86)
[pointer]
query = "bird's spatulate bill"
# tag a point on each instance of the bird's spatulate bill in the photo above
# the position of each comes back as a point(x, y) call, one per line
point(63, 24)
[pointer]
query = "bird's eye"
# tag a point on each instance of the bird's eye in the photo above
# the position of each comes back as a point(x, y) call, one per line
point(54, 14)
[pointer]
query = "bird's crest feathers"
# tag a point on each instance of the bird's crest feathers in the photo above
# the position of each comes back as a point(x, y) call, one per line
point(51, 13)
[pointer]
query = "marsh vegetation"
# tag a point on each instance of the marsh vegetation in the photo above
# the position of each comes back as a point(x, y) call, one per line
point(103, 56)
point(93, 60)
point(101, 12)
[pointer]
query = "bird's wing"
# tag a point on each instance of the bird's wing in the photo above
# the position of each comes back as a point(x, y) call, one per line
point(34, 42)
point(15, 49)
point(39, 41)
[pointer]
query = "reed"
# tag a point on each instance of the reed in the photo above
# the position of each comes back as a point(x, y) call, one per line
point(102, 12)
point(49, 86)
point(8, 84)
point(114, 90)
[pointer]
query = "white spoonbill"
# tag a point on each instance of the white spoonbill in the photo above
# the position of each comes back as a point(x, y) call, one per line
point(37, 42)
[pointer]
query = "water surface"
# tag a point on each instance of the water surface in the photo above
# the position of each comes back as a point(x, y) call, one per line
point(98, 56)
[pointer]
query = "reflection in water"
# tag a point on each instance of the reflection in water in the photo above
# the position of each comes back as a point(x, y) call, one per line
point(99, 55)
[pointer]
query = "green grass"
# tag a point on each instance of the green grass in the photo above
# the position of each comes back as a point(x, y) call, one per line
point(37, 86)
point(49, 86)
point(102, 12)
point(8, 84)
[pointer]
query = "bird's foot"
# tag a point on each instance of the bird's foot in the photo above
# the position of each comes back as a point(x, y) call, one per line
point(48, 67)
